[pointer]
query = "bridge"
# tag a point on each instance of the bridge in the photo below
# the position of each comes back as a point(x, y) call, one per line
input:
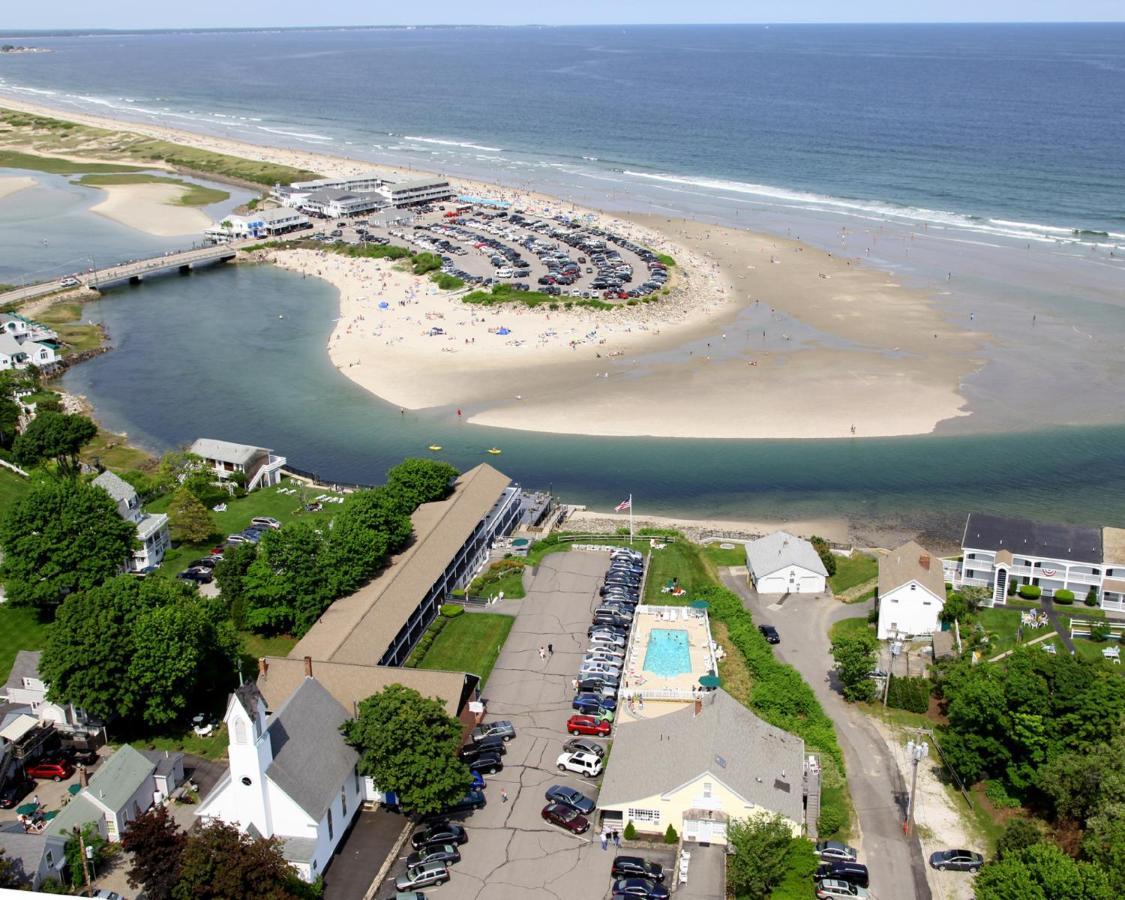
point(134, 272)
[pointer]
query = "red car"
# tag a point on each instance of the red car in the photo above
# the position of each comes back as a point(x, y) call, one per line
point(566, 817)
point(56, 771)
point(588, 725)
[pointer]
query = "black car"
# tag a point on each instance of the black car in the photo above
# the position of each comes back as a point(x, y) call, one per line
point(636, 867)
point(490, 745)
point(770, 634)
point(197, 574)
point(640, 887)
point(851, 872)
point(14, 791)
point(597, 683)
point(437, 834)
point(488, 763)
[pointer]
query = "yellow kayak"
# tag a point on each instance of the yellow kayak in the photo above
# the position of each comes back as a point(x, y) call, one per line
point(435, 447)
point(495, 451)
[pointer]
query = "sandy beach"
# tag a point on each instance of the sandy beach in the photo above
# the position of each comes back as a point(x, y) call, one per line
point(10, 184)
point(151, 208)
point(760, 338)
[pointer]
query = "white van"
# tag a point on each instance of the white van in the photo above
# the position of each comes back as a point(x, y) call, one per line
point(581, 762)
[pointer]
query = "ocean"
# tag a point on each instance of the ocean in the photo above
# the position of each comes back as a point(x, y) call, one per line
point(985, 163)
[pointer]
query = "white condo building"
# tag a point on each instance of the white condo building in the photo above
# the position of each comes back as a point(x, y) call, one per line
point(152, 530)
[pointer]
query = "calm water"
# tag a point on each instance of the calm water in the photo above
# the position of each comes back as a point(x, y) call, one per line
point(206, 356)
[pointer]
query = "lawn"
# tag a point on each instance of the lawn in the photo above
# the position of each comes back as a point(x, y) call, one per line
point(20, 629)
point(12, 159)
point(66, 319)
point(1001, 626)
point(850, 628)
point(499, 578)
point(721, 558)
point(851, 571)
point(192, 194)
point(1088, 649)
point(212, 747)
point(114, 452)
point(12, 487)
point(469, 643)
point(678, 560)
point(255, 646)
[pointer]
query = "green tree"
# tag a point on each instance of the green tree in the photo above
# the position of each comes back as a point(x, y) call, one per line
point(854, 655)
point(352, 553)
point(820, 545)
point(1041, 872)
point(1019, 834)
point(188, 519)
point(230, 575)
point(1104, 843)
point(53, 435)
point(760, 846)
point(9, 875)
point(154, 843)
point(219, 862)
point(62, 537)
point(416, 481)
point(379, 510)
point(285, 587)
point(92, 838)
point(9, 421)
point(408, 744)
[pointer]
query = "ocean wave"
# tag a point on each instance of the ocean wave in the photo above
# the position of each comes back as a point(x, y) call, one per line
point(465, 144)
point(303, 135)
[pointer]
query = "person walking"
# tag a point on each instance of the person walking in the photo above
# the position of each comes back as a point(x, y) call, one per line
point(605, 841)
point(542, 652)
point(503, 795)
point(550, 649)
point(616, 839)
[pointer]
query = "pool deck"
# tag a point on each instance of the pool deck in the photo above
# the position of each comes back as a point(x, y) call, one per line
point(645, 694)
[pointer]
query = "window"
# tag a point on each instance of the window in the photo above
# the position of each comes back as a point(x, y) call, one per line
point(343, 802)
point(329, 823)
point(643, 816)
point(913, 586)
point(239, 731)
point(707, 790)
point(357, 789)
point(50, 859)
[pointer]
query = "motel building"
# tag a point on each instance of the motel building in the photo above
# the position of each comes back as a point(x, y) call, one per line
point(1002, 553)
point(260, 224)
point(417, 192)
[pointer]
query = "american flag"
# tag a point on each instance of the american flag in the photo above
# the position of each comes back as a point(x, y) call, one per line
point(624, 505)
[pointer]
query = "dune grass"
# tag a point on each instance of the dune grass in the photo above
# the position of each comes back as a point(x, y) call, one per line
point(14, 159)
point(193, 194)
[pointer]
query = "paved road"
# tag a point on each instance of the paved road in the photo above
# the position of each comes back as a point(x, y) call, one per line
point(898, 869)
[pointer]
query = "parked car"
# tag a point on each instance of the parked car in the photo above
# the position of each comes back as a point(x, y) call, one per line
point(836, 851)
point(472, 800)
point(14, 790)
point(569, 796)
point(592, 704)
point(56, 771)
point(423, 876)
point(502, 729)
point(854, 872)
point(206, 562)
point(266, 522)
point(198, 574)
point(640, 887)
point(470, 752)
point(582, 763)
point(770, 634)
point(598, 684)
point(566, 817)
point(588, 725)
point(488, 763)
point(637, 867)
point(584, 745)
point(439, 833)
point(835, 889)
point(957, 860)
point(443, 853)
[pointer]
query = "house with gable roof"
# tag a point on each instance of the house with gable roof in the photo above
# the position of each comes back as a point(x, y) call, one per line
point(782, 563)
point(152, 529)
point(911, 592)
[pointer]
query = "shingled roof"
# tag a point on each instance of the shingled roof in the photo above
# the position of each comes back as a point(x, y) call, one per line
point(1048, 540)
point(911, 562)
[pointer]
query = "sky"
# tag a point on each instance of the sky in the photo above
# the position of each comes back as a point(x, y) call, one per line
point(59, 14)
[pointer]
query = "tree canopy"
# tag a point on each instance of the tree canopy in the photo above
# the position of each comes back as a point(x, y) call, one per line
point(1041, 872)
point(219, 862)
point(57, 436)
point(188, 519)
point(408, 744)
point(761, 848)
point(416, 481)
point(154, 842)
point(64, 536)
point(854, 655)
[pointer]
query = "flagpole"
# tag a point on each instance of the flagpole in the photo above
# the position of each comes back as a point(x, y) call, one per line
point(630, 520)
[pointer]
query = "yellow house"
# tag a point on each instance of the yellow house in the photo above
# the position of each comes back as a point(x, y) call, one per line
point(698, 768)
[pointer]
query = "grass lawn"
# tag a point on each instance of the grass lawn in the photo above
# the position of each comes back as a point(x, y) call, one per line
point(1001, 626)
point(850, 627)
point(20, 629)
point(193, 194)
point(255, 646)
point(679, 560)
point(12, 487)
point(114, 452)
point(66, 319)
point(469, 643)
point(211, 747)
point(725, 558)
point(1088, 649)
point(852, 570)
point(498, 579)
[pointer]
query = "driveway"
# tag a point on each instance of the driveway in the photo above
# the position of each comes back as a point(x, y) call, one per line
point(512, 854)
point(878, 790)
point(361, 854)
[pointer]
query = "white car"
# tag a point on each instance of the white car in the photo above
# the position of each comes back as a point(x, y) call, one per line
point(605, 649)
point(580, 762)
point(70, 282)
point(602, 656)
point(608, 637)
point(598, 668)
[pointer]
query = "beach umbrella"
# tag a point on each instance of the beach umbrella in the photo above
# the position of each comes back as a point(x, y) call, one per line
point(27, 809)
point(709, 681)
point(51, 815)
point(74, 789)
point(383, 304)
point(700, 604)
point(503, 331)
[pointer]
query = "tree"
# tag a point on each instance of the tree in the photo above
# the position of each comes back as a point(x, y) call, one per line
point(379, 510)
point(408, 744)
point(9, 421)
point(820, 545)
point(416, 481)
point(57, 436)
point(1019, 834)
point(352, 553)
point(188, 519)
point(154, 842)
point(1041, 872)
point(285, 587)
point(855, 658)
point(10, 875)
point(62, 537)
point(219, 862)
point(760, 847)
point(230, 575)
point(98, 845)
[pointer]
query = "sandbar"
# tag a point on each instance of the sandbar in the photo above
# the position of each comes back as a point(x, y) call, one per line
point(10, 184)
point(151, 208)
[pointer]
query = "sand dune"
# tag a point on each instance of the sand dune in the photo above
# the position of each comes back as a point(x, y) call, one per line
point(151, 208)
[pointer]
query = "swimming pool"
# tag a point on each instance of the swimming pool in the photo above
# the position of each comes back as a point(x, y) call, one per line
point(667, 652)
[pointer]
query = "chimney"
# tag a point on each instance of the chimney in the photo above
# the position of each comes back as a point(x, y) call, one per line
point(83, 778)
point(924, 562)
point(698, 707)
point(263, 667)
point(308, 667)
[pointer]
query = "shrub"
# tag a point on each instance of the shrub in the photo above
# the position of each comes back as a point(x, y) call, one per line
point(459, 592)
point(999, 797)
point(912, 694)
point(630, 833)
point(452, 610)
point(1099, 633)
point(1092, 597)
point(670, 836)
point(820, 545)
point(833, 813)
point(1064, 596)
point(1030, 591)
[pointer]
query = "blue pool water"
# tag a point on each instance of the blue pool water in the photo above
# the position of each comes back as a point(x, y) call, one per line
point(667, 652)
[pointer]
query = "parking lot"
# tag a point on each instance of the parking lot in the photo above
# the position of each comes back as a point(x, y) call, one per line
point(512, 852)
point(484, 248)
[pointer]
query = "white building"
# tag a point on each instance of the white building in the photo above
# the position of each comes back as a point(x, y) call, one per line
point(25, 688)
point(260, 466)
point(417, 191)
point(24, 343)
point(911, 592)
point(292, 777)
point(291, 194)
point(263, 223)
point(152, 530)
point(37, 858)
point(781, 563)
point(334, 204)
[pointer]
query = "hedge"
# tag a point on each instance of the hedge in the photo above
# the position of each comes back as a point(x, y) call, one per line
point(426, 640)
point(452, 610)
point(1030, 591)
point(912, 694)
point(1064, 596)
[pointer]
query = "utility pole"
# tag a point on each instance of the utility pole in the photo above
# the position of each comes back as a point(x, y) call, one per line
point(82, 854)
point(918, 752)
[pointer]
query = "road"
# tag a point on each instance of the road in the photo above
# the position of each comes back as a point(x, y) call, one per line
point(898, 868)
